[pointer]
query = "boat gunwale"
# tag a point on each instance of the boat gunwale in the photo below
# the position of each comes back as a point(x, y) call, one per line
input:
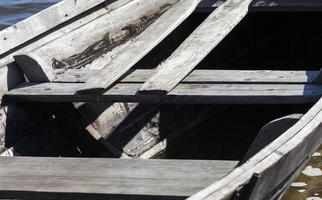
point(268, 157)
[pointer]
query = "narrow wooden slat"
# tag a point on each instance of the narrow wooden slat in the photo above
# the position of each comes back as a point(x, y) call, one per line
point(147, 40)
point(205, 76)
point(68, 178)
point(197, 46)
point(113, 30)
point(49, 18)
point(183, 93)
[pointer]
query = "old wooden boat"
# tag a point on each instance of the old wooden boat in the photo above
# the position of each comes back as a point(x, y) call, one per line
point(167, 99)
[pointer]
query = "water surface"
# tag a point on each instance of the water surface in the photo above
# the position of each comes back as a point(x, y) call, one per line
point(13, 11)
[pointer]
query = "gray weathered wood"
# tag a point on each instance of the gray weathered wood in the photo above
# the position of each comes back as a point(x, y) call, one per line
point(183, 93)
point(68, 178)
point(270, 132)
point(197, 46)
point(121, 24)
point(101, 127)
point(49, 18)
point(51, 35)
point(276, 163)
point(78, 48)
point(147, 40)
point(204, 76)
point(100, 37)
point(109, 19)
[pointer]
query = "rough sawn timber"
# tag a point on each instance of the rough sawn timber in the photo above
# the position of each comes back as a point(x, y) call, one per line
point(197, 46)
point(49, 18)
point(70, 178)
point(62, 29)
point(141, 45)
point(79, 48)
point(203, 76)
point(109, 118)
point(183, 93)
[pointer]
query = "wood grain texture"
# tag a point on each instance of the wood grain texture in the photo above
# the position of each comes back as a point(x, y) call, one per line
point(275, 163)
point(68, 178)
point(113, 25)
point(197, 46)
point(78, 49)
point(50, 35)
point(202, 76)
point(183, 93)
point(43, 21)
point(145, 42)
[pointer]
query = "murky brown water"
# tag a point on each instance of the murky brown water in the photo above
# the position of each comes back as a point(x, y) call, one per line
point(308, 184)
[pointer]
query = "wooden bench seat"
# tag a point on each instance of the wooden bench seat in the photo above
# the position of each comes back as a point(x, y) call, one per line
point(102, 178)
point(201, 86)
point(183, 93)
point(198, 76)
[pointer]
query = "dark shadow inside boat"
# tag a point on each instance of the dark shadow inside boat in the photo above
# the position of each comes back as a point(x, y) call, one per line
point(54, 130)
point(279, 41)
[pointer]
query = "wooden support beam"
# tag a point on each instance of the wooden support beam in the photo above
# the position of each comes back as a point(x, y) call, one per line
point(141, 45)
point(70, 178)
point(136, 16)
point(197, 46)
point(113, 31)
point(203, 76)
point(66, 28)
point(183, 93)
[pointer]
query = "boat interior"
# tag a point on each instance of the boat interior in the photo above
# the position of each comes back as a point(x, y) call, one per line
point(281, 47)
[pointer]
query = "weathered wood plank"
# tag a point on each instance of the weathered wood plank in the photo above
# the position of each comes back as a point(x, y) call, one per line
point(135, 18)
point(203, 76)
point(197, 46)
point(147, 40)
point(42, 22)
point(68, 178)
point(183, 93)
point(78, 48)
point(55, 33)
point(276, 162)
point(270, 132)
